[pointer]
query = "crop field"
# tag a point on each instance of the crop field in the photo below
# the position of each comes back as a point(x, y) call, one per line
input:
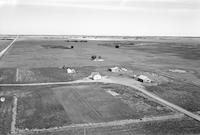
point(34, 54)
point(7, 75)
point(171, 63)
point(184, 95)
point(6, 115)
point(46, 107)
point(4, 43)
point(40, 109)
point(185, 50)
point(43, 74)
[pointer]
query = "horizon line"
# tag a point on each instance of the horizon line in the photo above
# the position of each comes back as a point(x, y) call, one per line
point(97, 35)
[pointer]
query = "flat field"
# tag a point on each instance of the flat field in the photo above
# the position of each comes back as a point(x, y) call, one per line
point(4, 43)
point(184, 95)
point(40, 109)
point(46, 107)
point(6, 115)
point(34, 59)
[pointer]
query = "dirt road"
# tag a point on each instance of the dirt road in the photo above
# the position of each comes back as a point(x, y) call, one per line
point(6, 49)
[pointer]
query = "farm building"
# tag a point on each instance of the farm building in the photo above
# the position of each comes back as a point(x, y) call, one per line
point(95, 76)
point(143, 78)
point(95, 58)
point(124, 69)
point(70, 71)
point(2, 99)
point(117, 69)
point(114, 69)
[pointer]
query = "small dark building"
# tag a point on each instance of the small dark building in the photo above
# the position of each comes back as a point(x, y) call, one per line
point(93, 57)
point(140, 80)
point(117, 46)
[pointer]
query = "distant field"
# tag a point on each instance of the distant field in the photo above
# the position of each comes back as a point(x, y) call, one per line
point(4, 43)
point(32, 53)
point(156, 53)
point(184, 50)
point(146, 53)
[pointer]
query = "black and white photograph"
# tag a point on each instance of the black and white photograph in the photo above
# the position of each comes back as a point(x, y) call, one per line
point(99, 67)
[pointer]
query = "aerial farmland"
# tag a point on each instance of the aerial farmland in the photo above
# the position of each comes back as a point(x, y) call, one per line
point(88, 85)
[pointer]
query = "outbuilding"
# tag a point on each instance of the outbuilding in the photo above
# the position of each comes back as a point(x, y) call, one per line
point(114, 69)
point(96, 58)
point(117, 69)
point(143, 78)
point(70, 71)
point(95, 76)
point(2, 99)
point(93, 57)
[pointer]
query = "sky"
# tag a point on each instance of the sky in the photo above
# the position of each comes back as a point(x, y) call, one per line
point(101, 17)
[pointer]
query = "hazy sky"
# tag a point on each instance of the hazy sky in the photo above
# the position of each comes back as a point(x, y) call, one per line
point(101, 17)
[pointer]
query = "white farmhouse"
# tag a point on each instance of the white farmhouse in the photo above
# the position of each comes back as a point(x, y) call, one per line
point(70, 71)
point(95, 76)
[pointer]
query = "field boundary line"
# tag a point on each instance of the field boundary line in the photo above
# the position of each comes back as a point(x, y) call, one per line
point(14, 113)
point(2, 53)
point(107, 124)
point(17, 75)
